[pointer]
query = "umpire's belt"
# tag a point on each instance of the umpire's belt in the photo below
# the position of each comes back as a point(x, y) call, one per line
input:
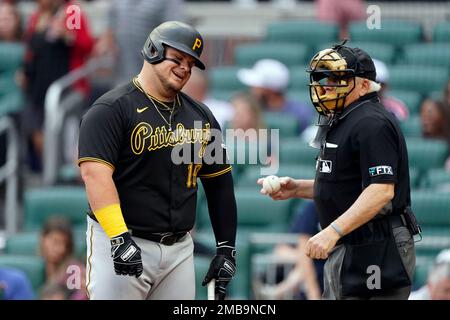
point(166, 238)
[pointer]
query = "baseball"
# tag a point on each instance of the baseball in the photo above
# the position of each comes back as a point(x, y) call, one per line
point(271, 184)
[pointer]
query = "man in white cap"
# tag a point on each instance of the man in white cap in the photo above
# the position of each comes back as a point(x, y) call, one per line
point(438, 283)
point(394, 105)
point(268, 80)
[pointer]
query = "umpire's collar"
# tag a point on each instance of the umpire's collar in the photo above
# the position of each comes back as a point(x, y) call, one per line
point(370, 97)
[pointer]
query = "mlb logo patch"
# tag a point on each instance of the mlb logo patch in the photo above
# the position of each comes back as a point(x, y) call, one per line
point(380, 170)
point(325, 166)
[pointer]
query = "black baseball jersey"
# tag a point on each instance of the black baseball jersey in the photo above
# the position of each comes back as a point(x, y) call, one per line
point(126, 131)
point(364, 146)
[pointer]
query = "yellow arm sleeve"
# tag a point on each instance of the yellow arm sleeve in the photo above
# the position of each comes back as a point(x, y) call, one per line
point(111, 220)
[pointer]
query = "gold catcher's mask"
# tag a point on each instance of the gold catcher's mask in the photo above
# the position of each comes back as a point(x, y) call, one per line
point(330, 81)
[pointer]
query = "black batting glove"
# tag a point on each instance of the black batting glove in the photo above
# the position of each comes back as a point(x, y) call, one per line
point(126, 255)
point(222, 269)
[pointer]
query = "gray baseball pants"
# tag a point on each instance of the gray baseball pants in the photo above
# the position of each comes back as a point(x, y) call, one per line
point(168, 270)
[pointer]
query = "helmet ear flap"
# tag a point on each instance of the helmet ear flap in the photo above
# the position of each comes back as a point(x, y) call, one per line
point(153, 51)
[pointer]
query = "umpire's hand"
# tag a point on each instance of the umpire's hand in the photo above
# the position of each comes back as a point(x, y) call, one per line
point(126, 255)
point(222, 268)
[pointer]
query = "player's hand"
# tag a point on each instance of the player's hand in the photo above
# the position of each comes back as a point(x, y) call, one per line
point(288, 189)
point(320, 245)
point(126, 255)
point(222, 268)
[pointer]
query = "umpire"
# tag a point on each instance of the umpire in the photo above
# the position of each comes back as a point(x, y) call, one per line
point(142, 200)
point(361, 187)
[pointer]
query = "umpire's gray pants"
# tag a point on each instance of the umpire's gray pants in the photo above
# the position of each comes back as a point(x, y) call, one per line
point(332, 269)
point(168, 270)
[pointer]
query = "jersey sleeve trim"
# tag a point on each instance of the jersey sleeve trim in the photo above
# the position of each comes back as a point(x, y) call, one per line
point(216, 174)
point(96, 160)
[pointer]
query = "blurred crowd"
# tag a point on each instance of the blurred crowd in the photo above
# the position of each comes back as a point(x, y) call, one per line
point(50, 50)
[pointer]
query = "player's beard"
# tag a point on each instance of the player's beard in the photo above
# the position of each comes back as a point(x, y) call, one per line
point(169, 86)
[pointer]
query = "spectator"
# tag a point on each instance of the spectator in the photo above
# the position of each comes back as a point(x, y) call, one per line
point(197, 88)
point(130, 21)
point(343, 13)
point(54, 291)
point(56, 248)
point(307, 273)
point(14, 285)
point(268, 81)
point(435, 120)
point(438, 282)
point(394, 105)
point(53, 49)
point(10, 23)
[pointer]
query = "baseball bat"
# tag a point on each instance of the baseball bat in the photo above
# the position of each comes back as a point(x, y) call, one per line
point(212, 289)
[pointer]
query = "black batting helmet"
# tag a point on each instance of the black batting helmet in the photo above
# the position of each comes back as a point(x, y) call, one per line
point(177, 35)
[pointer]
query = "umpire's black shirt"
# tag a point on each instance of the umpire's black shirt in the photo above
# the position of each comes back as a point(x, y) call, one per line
point(364, 146)
point(124, 131)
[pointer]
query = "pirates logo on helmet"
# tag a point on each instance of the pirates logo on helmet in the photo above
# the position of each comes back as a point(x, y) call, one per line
point(177, 35)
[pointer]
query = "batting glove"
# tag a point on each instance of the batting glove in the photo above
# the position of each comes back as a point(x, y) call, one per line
point(126, 255)
point(222, 269)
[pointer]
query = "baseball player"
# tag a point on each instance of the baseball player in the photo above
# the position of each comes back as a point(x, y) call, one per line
point(142, 203)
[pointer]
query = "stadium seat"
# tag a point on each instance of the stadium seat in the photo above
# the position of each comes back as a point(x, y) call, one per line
point(441, 32)
point(412, 99)
point(431, 208)
point(419, 78)
point(288, 53)
point(437, 179)
point(39, 204)
point(27, 243)
point(302, 96)
point(435, 54)
point(225, 79)
point(31, 265)
point(414, 177)
point(412, 127)
point(307, 32)
point(425, 154)
point(201, 265)
point(285, 123)
point(382, 51)
point(296, 151)
point(299, 78)
point(395, 32)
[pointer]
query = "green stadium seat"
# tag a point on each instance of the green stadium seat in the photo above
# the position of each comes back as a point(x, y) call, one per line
point(224, 95)
point(394, 32)
point(412, 127)
point(307, 32)
point(382, 51)
point(299, 78)
point(419, 78)
point(412, 99)
point(27, 243)
point(39, 204)
point(437, 179)
point(431, 208)
point(436, 54)
point(288, 53)
point(201, 265)
point(69, 173)
point(285, 123)
point(32, 266)
point(414, 177)
point(225, 79)
point(423, 265)
point(425, 154)
point(11, 56)
point(441, 32)
point(295, 151)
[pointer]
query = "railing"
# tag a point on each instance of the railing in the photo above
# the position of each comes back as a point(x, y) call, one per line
point(8, 173)
point(56, 108)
